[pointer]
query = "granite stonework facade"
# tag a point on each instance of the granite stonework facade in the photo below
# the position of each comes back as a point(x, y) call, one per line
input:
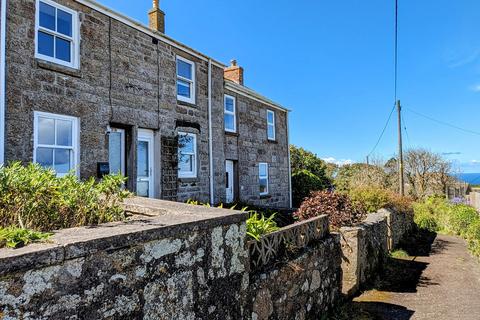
point(249, 146)
point(127, 79)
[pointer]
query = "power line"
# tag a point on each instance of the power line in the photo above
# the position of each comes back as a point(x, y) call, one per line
point(406, 131)
point(383, 132)
point(443, 122)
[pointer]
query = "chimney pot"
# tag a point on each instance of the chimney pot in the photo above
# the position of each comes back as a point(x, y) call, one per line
point(234, 72)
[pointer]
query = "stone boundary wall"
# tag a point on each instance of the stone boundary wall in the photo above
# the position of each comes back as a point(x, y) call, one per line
point(366, 246)
point(304, 287)
point(169, 261)
point(176, 261)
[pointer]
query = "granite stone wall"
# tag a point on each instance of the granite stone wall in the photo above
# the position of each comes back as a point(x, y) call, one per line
point(304, 287)
point(181, 263)
point(366, 246)
point(170, 261)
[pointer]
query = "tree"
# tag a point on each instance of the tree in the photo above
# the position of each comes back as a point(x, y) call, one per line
point(308, 174)
point(360, 175)
point(426, 173)
point(302, 159)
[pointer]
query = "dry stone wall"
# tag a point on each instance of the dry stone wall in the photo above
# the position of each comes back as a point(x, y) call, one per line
point(366, 246)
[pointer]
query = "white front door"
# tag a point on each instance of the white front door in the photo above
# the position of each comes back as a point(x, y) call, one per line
point(229, 180)
point(145, 165)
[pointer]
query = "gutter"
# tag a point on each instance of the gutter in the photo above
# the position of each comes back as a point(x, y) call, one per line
point(210, 131)
point(3, 33)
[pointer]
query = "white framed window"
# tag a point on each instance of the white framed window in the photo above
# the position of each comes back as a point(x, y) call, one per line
point(57, 34)
point(116, 151)
point(56, 142)
point(185, 80)
point(271, 125)
point(187, 155)
point(263, 178)
point(230, 114)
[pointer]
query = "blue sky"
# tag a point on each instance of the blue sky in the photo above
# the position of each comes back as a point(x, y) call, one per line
point(331, 62)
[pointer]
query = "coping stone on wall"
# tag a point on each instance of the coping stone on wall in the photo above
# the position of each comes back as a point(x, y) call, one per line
point(153, 219)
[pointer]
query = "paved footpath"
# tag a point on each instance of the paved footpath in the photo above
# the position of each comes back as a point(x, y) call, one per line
point(443, 284)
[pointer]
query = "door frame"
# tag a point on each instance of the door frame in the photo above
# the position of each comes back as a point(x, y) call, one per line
point(231, 178)
point(148, 136)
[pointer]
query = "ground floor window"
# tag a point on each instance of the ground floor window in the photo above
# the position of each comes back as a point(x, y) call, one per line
point(263, 178)
point(56, 141)
point(116, 151)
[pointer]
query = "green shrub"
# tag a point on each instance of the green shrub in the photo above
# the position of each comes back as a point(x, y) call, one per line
point(437, 214)
point(426, 221)
point(258, 225)
point(340, 209)
point(371, 198)
point(16, 237)
point(460, 218)
point(303, 183)
point(374, 199)
point(32, 197)
point(473, 237)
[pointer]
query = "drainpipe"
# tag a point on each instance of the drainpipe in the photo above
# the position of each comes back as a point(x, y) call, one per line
point(210, 134)
point(289, 162)
point(3, 33)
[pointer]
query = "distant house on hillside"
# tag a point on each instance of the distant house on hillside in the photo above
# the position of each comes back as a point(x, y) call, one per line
point(87, 89)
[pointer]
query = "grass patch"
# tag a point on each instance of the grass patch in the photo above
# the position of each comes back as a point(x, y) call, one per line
point(17, 237)
point(399, 254)
point(349, 311)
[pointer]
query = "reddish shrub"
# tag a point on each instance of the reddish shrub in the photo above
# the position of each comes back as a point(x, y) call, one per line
point(340, 209)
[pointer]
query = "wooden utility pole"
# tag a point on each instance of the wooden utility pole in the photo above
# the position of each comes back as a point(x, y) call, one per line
point(400, 150)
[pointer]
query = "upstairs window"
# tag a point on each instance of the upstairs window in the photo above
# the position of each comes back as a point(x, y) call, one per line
point(187, 155)
point(185, 80)
point(56, 34)
point(230, 116)
point(56, 142)
point(263, 178)
point(271, 125)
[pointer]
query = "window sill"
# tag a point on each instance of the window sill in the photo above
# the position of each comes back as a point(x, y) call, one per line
point(272, 141)
point(58, 68)
point(265, 196)
point(186, 104)
point(188, 180)
point(230, 133)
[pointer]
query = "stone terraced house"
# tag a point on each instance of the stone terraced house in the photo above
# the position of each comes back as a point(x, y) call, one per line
point(87, 89)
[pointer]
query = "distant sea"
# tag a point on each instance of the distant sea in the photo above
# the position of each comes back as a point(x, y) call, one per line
point(471, 178)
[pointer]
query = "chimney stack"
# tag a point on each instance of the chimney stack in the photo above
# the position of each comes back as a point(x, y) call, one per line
point(234, 72)
point(156, 18)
